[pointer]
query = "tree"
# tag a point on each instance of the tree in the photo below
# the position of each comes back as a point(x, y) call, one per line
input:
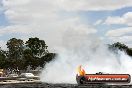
point(35, 50)
point(47, 58)
point(2, 59)
point(129, 51)
point(15, 52)
point(19, 56)
point(29, 60)
point(38, 47)
point(36, 53)
point(118, 46)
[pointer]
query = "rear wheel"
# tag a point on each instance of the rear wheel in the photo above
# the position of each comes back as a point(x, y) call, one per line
point(81, 81)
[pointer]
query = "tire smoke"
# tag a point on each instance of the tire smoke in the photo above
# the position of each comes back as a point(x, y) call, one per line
point(86, 50)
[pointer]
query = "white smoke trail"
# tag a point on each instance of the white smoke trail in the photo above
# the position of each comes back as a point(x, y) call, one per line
point(86, 50)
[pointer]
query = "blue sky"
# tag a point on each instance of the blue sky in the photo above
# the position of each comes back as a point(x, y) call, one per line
point(3, 20)
point(111, 22)
point(91, 17)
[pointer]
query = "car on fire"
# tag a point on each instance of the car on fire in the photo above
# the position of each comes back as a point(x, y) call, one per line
point(101, 78)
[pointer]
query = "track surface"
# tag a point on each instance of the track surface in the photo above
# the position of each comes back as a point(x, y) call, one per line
point(46, 85)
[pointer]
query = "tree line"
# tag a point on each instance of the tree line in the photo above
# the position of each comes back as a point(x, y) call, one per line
point(20, 55)
point(115, 47)
point(34, 53)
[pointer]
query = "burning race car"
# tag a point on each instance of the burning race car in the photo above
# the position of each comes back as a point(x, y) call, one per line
point(101, 78)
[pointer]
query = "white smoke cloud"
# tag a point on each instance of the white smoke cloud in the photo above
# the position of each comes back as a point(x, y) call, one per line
point(86, 50)
point(41, 18)
point(44, 18)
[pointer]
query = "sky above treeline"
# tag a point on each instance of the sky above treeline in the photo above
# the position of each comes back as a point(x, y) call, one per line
point(110, 20)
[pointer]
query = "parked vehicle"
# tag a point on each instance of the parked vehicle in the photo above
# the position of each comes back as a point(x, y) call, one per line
point(26, 75)
point(13, 75)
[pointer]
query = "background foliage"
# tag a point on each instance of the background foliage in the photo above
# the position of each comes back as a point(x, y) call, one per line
point(34, 53)
point(20, 55)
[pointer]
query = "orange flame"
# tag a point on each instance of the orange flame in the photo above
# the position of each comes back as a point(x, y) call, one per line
point(81, 71)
